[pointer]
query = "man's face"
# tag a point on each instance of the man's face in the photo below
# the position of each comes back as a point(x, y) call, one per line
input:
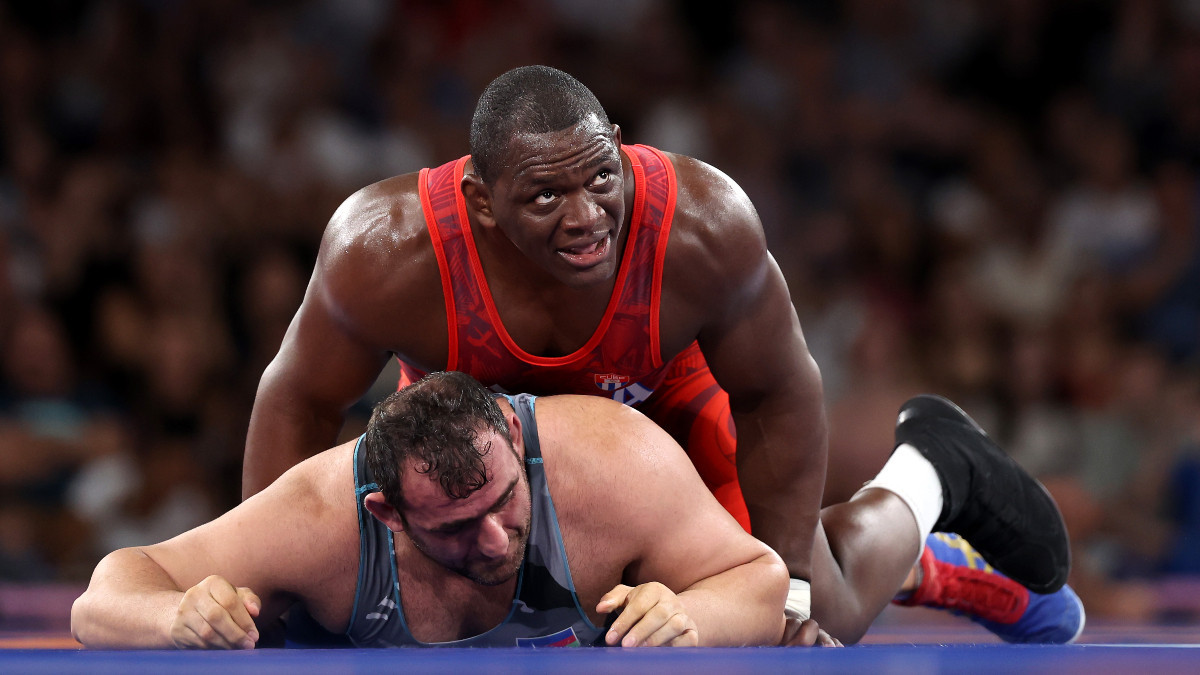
point(560, 199)
point(482, 536)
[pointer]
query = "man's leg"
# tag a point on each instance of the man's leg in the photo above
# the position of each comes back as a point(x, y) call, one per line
point(868, 545)
point(856, 571)
point(863, 552)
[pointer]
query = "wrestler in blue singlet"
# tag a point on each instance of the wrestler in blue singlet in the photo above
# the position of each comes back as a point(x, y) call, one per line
point(545, 611)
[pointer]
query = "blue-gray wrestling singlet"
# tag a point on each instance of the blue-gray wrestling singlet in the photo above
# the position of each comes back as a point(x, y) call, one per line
point(545, 611)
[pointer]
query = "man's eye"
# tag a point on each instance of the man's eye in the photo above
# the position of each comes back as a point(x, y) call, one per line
point(507, 498)
point(602, 177)
point(544, 197)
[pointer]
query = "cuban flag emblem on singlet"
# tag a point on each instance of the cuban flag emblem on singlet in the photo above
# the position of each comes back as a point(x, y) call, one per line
point(563, 638)
point(610, 381)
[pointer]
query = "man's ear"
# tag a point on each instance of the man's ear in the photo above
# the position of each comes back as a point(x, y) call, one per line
point(478, 198)
point(515, 433)
point(383, 511)
point(617, 135)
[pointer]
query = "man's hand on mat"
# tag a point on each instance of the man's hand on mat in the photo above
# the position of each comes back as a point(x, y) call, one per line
point(807, 633)
point(651, 616)
point(215, 615)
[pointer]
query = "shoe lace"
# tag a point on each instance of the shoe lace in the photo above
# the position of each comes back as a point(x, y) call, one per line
point(980, 596)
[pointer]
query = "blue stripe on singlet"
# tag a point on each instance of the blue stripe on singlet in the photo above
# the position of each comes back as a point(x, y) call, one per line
point(359, 492)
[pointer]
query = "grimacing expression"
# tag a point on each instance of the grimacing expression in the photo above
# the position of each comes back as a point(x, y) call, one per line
point(482, 536)
point(560, 199)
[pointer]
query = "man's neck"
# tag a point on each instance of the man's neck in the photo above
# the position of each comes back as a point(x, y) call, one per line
point(440, 605)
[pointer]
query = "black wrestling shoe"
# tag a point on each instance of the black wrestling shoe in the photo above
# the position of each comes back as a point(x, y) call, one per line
point(1006, 514)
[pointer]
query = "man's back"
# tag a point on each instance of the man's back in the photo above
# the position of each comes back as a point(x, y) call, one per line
point(630, 509)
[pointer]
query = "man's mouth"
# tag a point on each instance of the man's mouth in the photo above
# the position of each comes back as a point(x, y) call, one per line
point(587, 255)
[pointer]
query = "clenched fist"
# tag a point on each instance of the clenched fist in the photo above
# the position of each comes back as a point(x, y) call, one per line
point(214, 614)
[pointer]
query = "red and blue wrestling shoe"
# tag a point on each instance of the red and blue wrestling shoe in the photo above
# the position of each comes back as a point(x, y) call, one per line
point(1007, 515)
point(957, 578)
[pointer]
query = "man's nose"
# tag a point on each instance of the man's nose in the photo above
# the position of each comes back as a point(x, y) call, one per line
point(583, 213)
point(493, 538)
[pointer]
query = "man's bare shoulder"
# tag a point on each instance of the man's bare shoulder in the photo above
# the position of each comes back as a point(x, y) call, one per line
point(606, 465)
point(316, 496)
point(598, 441)
point(322, 484)
point(580, 416)
point(312, 517)
point(717, 251)
point(711, 203)
point(375, 223)
point(377, 256)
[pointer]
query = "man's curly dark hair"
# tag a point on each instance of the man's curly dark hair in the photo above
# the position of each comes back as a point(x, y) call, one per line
point(433, 424)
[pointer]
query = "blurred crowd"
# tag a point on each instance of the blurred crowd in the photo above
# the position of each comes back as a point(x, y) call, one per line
point(996, 200)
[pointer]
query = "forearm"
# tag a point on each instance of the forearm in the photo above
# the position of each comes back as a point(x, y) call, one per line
point(283, 432)
point(781, 460)
point(741, 606)
point(129, 604)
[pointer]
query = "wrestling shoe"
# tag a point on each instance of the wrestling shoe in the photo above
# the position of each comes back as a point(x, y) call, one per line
point(956, 578)
point(1005, 513)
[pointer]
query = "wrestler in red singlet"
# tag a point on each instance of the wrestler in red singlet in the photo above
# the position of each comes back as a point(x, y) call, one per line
point(623, 357)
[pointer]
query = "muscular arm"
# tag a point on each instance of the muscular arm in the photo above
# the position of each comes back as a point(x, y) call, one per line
point(320, 371)
point(373, 286)
point(661, 524)
point(751, 338)
point(131, 603)
point(279, 546)
point(737, 607)
point(731, 584)
point(778, 410)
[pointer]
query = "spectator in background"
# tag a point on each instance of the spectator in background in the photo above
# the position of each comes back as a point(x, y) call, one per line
point(997, 201)
point(47, 416)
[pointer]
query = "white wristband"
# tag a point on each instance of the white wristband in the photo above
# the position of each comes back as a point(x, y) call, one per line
point(799, 600)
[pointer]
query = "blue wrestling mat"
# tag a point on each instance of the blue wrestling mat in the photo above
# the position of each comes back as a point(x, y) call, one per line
point(35, 638)
point(1082, 659)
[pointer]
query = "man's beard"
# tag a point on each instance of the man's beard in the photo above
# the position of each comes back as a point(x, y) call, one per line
point(489, 576)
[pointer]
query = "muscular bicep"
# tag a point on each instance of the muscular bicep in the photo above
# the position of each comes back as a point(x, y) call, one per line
point(321, 369)
point(323, 362)
point(353, 314)
point(273, 543)
point(215, 548)
point(751, 338)
point(723, 288)
point(684, 535)
point(374, 291)
point(756, 348)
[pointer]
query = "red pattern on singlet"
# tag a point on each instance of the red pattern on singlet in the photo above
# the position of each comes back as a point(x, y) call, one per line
point(622, 359)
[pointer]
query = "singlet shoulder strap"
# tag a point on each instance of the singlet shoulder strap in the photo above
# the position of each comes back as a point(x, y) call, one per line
point(371, 535)
point(654, 212)
point(524, 407)
point(445, 212)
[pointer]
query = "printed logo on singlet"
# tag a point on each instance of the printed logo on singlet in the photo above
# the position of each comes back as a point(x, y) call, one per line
point(623, 391)
point(563, 638)
point(610, 381)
